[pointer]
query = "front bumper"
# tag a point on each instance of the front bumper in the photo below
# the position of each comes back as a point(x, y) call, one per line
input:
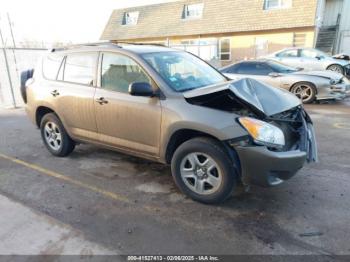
point(260, 166)
point(338, 92)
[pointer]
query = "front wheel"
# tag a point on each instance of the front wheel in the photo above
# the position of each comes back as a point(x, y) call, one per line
point(203, 170)
point(336, 68)
point(306, 92)
point(55, 137)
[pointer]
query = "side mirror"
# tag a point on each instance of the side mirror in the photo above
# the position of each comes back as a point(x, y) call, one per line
point(141, 89)
point(319, 57)
point(274, 74)
point(299, 68)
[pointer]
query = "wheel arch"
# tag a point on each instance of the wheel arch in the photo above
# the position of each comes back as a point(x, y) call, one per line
point(40, 112)
point(182, 135)
point(334, 64)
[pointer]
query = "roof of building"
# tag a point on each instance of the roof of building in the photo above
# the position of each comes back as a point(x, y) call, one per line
point(219, 16)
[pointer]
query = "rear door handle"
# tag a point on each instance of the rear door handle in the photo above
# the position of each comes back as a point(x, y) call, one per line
point(101, 101)
point(55, 93)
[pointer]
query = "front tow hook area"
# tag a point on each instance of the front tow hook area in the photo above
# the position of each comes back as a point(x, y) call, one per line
point(263, 167)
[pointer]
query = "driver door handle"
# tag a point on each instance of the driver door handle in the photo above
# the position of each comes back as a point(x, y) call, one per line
point(101, 101)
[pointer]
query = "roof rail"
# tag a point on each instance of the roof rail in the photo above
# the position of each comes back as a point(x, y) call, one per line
point(132, 43)
point(84, 44)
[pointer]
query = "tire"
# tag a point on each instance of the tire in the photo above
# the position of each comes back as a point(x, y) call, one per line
point(336, 68)
point(55, 137)
point(25, 75)
point(305, 91)
point(188, 170)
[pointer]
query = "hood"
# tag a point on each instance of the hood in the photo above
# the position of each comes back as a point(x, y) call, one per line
point(266, 99)
point(342, 56)
point(325, 74)
point(338, 61)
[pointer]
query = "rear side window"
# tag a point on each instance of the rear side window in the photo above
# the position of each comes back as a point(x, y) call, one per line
point(251, 68)
point(51, 65)
point(246, 68)
point(80, 68)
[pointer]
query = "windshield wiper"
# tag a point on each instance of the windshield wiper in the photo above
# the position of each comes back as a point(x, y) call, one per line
point(187, 89)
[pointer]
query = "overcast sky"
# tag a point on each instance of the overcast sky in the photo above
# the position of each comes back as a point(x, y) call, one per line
point(60, 20)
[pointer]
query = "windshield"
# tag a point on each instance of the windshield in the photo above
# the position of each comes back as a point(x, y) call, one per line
point(281, 68)
point(183, 71)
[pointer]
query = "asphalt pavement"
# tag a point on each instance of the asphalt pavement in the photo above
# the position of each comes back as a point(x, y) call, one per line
point(116, 203)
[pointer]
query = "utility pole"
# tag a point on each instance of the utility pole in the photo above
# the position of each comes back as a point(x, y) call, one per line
point(8, 69)
point(13, 43)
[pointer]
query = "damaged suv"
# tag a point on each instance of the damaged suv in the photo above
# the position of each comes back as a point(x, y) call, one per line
point(170, 106)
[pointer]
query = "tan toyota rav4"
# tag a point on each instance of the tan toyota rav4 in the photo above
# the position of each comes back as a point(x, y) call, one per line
point(169, 106)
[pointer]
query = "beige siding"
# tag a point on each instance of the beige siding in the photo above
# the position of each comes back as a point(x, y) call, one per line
point(243, 45)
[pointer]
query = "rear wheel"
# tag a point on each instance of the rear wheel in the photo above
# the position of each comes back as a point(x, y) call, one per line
point(55, 137)
point(305, 91)
point(336, 68)
point(203, 170)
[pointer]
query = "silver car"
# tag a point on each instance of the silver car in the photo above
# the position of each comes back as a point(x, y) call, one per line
point(307, 85)
point(310, 59)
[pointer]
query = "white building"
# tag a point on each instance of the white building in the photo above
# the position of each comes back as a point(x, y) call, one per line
point(333, 26)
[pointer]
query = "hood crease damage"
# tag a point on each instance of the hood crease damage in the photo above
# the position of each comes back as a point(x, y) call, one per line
point(244, 93)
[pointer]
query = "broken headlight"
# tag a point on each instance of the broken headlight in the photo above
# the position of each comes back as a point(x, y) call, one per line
point(263, 133)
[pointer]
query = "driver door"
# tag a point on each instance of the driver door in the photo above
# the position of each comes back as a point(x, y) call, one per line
point(290, 57)
point(310, 60)
point(124, 121)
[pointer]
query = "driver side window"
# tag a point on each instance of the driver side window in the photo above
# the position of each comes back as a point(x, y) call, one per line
point(119, 71)
point(308, 53)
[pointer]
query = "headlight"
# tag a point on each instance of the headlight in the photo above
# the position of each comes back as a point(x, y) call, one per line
point(332, 82)
point(263, 133)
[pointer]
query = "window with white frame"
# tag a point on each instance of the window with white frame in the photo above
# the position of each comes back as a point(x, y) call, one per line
point(225, 49)
point(131, 18)
point(277, 4)
point(193, 11)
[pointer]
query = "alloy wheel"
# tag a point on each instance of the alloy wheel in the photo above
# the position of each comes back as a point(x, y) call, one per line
point(304, 92)
point(53, 135)
point(336, 68)
point(200, 173)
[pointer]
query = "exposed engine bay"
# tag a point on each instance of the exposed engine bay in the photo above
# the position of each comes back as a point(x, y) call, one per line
point(248, 97)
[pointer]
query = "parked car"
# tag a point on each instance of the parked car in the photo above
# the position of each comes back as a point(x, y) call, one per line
point(307, 85)
point(169, 106)
point(311, 59)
